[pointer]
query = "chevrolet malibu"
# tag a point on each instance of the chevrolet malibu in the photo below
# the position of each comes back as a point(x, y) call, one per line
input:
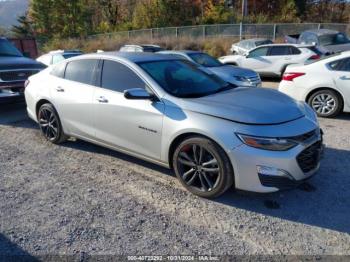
point(163, 109)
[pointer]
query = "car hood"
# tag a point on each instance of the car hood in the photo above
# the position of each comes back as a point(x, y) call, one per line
point(248, 105)
point(227, 72)
point(337, 48)
point(19, 62)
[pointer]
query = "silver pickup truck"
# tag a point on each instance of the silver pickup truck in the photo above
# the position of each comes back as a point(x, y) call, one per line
point(327, 41)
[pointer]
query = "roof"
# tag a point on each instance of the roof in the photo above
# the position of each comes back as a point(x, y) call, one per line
point(65, 52)
point(254, 39)
point(322, 31)
point(143, 45)
point(286, 44)
point(135, 57)
point(187, 52)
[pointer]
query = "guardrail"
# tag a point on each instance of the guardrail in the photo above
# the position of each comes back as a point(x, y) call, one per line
point(270, 31)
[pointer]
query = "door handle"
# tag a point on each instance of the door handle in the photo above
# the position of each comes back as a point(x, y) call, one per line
point(287, 58)
point(102, 99)
point(59, 89)
point(344, 78)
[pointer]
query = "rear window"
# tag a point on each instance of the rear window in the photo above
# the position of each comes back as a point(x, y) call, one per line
point(263, 42)
point(81, 71)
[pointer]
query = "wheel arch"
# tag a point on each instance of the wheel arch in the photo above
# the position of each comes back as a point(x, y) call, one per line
point(39, 104)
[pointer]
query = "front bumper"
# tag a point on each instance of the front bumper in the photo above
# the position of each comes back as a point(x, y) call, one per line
point(246, 160)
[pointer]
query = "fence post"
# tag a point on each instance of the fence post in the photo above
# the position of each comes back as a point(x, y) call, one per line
point(151, 33)
point(319, 26)
point(176, 32)
point(274, 32)
point(129, 34)
point(203, 31)
point(240, 30)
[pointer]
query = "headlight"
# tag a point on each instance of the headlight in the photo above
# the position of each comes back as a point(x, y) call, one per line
point(273, 144)
point(241, 79)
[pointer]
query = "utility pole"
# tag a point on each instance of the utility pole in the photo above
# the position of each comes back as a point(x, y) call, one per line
point(244, 9)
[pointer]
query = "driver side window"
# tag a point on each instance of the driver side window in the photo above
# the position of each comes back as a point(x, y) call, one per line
point(118, 77)
point(262, 51)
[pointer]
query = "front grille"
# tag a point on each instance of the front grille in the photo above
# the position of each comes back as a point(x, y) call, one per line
point(309, 158)
point(254, 80)
point(18, 75)
point(279, 182)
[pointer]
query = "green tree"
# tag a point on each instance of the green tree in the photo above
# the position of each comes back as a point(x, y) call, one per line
point(24, 29)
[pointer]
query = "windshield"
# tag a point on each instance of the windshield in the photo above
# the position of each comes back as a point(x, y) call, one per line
point(182, 78)
point(7, 49)
point(333, 39)
point(205, 60)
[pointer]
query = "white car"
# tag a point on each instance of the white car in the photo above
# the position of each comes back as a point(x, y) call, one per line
point(272, 60)
point(324, 85)
point(244, 46)
point(56, 56)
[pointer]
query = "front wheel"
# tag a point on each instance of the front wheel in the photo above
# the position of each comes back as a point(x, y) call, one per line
point(326, 103)
point(50, 124)
point(202, 167)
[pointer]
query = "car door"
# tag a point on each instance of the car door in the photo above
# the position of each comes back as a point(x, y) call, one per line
point(133, 125)
point(342, 78)
point(256, 59)
point(72, 96)
point(279, 56)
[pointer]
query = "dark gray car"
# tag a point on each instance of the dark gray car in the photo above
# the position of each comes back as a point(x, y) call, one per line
point(232, 74)
point(328, 41)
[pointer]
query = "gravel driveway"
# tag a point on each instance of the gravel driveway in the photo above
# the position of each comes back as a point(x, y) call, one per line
point(78, 198)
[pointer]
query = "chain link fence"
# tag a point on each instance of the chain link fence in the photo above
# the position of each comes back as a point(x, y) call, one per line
point(270, 31)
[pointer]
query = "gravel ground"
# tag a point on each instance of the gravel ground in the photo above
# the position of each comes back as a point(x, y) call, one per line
point(78, 198)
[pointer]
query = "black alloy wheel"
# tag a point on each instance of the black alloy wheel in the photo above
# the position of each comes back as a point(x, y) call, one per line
point(203, 167)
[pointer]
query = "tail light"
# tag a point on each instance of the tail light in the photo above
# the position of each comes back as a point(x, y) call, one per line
point(26, 83)
point(291, 76)
point(314, 57)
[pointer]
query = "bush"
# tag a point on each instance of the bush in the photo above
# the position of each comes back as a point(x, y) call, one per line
point(214, 46)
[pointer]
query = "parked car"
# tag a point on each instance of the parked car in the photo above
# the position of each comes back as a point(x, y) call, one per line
point(245, 46)
point(14, 71)
point(235, 75)
point(166, 110)
point(141, 48)
point(56, 56)
point(324, 85)
point(328, 41)
point(272, 60)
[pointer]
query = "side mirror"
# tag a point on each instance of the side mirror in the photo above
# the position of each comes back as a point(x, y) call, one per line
point(246, 54)
point(139, 94)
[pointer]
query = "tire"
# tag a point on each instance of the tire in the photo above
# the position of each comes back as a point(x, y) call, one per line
point(50, 124)
point(208, 174)
point(326, 103)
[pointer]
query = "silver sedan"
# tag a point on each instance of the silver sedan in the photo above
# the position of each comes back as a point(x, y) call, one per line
point(163, 109)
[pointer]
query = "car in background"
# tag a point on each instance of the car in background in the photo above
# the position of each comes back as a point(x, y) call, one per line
point(244, 46)
point(168, 111)
point(235, 75)
point(141, 48)
point(56, 56)
point(272, 60)
point(324, 85)
point(14, 71)
point(328, 41)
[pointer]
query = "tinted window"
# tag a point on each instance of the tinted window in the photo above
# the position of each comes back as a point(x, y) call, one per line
point(340, 65)
point(279, 50)
point(184, 79)
point(294, 51)
point(262, 51)
point(205, 60)
point(58, 70)
point(7, 49)
point(81, 71)
point(118, 77)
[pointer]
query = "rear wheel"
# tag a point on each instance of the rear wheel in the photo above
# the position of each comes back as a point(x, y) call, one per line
point(326, 103)
point(50, 124)
point(202, 167)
